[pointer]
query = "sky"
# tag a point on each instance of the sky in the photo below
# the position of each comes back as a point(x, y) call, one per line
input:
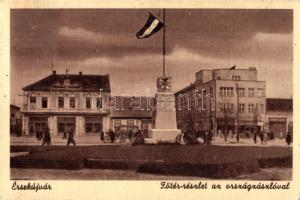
point(103, 41)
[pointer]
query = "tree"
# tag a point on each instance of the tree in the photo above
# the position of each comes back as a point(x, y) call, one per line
point(226, 110)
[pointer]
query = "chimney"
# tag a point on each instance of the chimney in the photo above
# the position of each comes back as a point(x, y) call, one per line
point(80, 73)
point(54, 72)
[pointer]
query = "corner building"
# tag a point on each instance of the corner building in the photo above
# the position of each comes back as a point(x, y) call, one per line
point(64, 101)
point(227, 98)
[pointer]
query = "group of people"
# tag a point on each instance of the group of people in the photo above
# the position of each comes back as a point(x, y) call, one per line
point(129, 136)
point(111, 135)
point(266, 136)
point(191, 136)
point(44, 134)
point(263, 136)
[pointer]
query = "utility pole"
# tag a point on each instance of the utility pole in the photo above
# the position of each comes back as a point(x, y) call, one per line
point(237, 112)
point(164, 41)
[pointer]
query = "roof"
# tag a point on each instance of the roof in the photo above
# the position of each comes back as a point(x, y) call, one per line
point(277, 104)
point(71, 81)
point(186, 89)
point(131, 107)
point(14, 106)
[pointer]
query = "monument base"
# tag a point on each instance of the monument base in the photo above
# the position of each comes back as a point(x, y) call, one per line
point(156, 136)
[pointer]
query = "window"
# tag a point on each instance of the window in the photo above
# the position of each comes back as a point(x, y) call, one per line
point(61, 102)
point(260, 107)
point(241, 108)
point(260, 92)
point(117, 124)
point(88, 102)
point(226, 91)
point(72, 102)
point(65, 124)
point(93, 124)
point(99, 103)
point(44, 102)
point(236, 78)
point(144, 125)
point(251, 92)
point(32, 102)
point(130, 124)
point(226, 107)
point(241, 92)
point(251, 108)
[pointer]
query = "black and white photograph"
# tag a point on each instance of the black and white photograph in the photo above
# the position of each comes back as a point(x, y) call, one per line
point(151, 94)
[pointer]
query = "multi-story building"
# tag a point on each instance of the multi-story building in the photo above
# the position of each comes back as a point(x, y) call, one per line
point(279, 116)
point(64, 101)
point(223, 99)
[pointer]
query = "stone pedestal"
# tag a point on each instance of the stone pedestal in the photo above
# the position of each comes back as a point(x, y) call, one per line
point(164, 124)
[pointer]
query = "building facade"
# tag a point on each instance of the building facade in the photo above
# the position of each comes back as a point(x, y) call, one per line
point(15, 120)
point(67, 101)
point(279, 116)
point(223, 99)
point(130, 113)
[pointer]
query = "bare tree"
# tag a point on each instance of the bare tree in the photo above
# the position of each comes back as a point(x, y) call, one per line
point(226, 109)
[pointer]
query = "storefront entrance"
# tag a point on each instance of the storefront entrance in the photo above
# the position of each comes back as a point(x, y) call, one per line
point(38, 123)
point(93, 125)
point(64, 124)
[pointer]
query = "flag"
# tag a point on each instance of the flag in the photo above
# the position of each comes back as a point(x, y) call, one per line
point(152, 26)
point(233, 67)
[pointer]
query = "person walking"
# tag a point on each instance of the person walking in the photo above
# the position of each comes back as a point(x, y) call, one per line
point(111, 136)
point(288, 139)
point(71, 138)
point(39, 134)
point(266, 137)
point(255, 137)
point(102, 136)
point(65, 135)
point(47, 137)
point(209, 137)
point(261, 137)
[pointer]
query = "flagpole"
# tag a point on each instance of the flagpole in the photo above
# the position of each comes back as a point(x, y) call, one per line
point(164, 40)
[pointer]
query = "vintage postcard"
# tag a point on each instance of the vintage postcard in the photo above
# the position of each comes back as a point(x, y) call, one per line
point(132, 100)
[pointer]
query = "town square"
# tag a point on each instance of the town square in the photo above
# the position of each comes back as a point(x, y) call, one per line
point(151, 94)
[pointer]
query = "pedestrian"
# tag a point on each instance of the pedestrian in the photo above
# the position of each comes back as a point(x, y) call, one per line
point(102, 136)
point(272, 136)
point(47, 137)
point(111, 135)
point(261, 137)
point(209, 138)
point(37, 134)
point(255, 137)
point(65, 135)
point(288, 139)
point(129, 137)
point(205, 137)
point(40, 134)
point(266, 137)
point(71, 138)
